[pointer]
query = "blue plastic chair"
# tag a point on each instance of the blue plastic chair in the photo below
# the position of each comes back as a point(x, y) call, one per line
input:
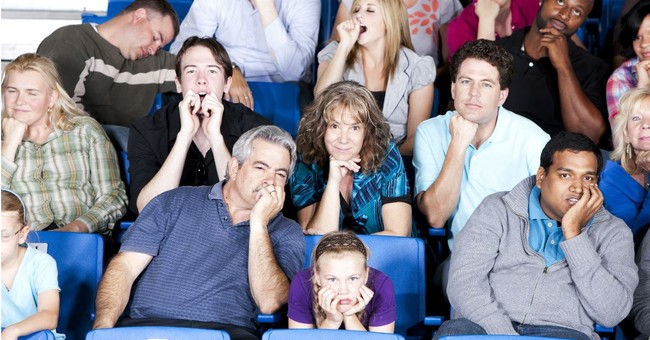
point(79, 258)
point(40, 335)
point(326, 334)
point(493, 337)
point(279, 102)
point(156, 332)
point(402, 259)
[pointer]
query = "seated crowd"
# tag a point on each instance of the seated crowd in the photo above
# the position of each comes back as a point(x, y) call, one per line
point(546, 237)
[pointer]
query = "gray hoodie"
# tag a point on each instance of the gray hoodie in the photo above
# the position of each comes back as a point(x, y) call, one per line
point(495, 277)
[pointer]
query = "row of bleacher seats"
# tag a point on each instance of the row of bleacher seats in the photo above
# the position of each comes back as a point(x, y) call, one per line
point(79, 258)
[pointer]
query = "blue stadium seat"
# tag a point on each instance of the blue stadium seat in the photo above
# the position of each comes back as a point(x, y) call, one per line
point(40, 335)
point(156, 332)
point(493, 337)
point(402, 259)
point(326, 334)
point(79, 258)
point(279, 102)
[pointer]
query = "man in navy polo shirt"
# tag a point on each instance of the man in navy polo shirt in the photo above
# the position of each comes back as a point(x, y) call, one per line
point(211, 257)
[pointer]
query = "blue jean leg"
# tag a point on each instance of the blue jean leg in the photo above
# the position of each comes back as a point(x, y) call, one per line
point(459, 327)
point(549, 332)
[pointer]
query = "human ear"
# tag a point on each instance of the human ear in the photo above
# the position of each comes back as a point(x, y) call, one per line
point(541, 174)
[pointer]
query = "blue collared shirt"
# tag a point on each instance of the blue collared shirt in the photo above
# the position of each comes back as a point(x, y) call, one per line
point(545, 234)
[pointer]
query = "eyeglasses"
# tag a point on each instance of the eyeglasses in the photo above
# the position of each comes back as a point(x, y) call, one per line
point(8, 237)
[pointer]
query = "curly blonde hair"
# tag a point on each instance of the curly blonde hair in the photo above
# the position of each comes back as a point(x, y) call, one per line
point(336, 242)
point(64, 111)
point(344, 96)
point(623, 151)
point(398, 35)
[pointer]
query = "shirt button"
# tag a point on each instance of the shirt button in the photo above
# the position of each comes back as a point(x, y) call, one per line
point(550, 224)
point(552, 241)
point(220, 204)
point(531, 64)
point(225, 218)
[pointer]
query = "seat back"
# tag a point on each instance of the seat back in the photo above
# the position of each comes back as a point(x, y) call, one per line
point(156, 332)
point(492, 337)
point(79, 259)
point(40, 335)
point(326, 334)
point(402, 259)
point(279, 102)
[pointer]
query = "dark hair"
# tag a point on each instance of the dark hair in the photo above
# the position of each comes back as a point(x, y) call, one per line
point(161, 7)
point(630, 24)
point(218, 52)
point(570, 141)
point(489, 52)
point(355, 99)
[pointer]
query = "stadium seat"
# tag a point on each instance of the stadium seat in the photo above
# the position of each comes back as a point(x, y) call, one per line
point(493, 337)
point(40, 335)
point(326, 334)
point(402, 259)
point(156, 332)
point(79, 259)
point(279, 102)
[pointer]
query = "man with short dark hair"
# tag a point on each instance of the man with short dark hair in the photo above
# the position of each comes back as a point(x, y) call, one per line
point(544, 259)
point(114, 70)
point(479, 149)
point(189, 140)
point(556, 84)
point(211, 256)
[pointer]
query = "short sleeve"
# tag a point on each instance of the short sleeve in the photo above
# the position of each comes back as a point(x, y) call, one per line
point(45, 273)
point(327, 53)
point(302, 184)
point(301, 303)
point(429, 151)
point(450, 9)
point(424, 72)
point(149, 229)
point(384, 311)
point(396, 186)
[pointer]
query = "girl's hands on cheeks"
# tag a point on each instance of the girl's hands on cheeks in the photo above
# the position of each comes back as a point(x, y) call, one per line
point(328, 299)
point(364, 297)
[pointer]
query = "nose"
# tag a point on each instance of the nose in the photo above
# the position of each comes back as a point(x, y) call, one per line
point(201, 80)
point(564, 13)
point(343, 288)
point(474, 89)
point(576, 186)
point(270, 178)
point(343, 136)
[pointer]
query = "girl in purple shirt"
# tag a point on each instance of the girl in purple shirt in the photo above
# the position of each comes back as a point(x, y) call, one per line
point(340, 291)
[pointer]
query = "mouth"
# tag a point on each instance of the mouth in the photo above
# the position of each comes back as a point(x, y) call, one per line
point(557, 24)
point(362, 29)
point(345, 302)
point(573, 200)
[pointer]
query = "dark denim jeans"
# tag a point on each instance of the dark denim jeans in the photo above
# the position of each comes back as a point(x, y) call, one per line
point(466, 327)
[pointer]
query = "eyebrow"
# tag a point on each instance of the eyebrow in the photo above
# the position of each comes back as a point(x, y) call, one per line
point(571, 170)
point(286, 171)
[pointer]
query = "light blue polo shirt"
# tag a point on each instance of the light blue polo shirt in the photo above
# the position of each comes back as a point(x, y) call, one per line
point(545, 234)
point(507, 157)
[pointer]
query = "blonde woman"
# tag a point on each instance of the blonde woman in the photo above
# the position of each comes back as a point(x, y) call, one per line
point(624, 181)
point(58, 159)
point(375, 50)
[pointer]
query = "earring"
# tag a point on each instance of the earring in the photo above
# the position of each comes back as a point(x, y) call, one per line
point(49, 110)
point(628, 149)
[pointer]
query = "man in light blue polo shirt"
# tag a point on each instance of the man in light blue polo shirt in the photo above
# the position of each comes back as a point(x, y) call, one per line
point(479, 149)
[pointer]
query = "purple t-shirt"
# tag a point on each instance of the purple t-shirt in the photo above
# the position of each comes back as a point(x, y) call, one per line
point(380, 310)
